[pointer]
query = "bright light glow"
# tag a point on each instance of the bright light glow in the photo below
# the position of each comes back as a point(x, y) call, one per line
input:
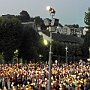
point(16, 51)
point(89, 49)
point(66, 48)
point(48, 8)
point(45, 42)
point(88, 59)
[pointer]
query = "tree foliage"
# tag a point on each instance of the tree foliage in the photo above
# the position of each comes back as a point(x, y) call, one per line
point(39, 22)
point(87, 18)
point(29, 46)
point(10, 36)
point(24, 16)
point(86, 44)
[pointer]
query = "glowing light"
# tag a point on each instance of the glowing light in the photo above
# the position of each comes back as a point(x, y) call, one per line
point(48, 8)
point(88, 59)
point(45, 42)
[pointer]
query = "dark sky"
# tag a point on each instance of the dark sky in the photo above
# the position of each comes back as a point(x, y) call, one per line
point(67, 11)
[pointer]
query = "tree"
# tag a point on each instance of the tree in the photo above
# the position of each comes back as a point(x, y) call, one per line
point(39, 22)
point(87, 18)
point(43, 49)
point(10, 36)
point(86, 44)
point(24, 16)
point(87, 36)
point(75, 25)
point(29, 46)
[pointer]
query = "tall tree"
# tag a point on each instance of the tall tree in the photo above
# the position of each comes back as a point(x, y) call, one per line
point(39, 22)
point(87, 18)
point(24, 16)
point(29, 46)
point(86, 44)
point(10, 36)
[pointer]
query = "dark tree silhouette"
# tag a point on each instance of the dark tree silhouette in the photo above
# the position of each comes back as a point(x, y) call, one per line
point(10, 36)
point(29, 47)
point(24, 16)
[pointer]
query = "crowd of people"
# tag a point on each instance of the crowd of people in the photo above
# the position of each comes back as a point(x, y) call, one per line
point(35, 76)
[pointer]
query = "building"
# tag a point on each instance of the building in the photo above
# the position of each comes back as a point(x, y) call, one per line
point(71, 30)
point(62, 38)
point(30, 24)
point(67, 34)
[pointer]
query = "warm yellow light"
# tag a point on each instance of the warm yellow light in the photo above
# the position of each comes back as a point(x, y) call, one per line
point(45, 42)
point(89, 49)
point(48, 8)
point(16, 51)
point(88, 59)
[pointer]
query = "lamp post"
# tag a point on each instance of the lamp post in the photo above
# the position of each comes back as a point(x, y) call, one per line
point(89, 55)
point(45, 42)
point(16, 55)
point(52, 13)
point(89, 51)
point(66, 54)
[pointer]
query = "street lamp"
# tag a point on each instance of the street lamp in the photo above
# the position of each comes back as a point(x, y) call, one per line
point(51, 10)
point(52, 13)
point(16, 55)
point(89, 52)
point(66, 54)
point(45, 42)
